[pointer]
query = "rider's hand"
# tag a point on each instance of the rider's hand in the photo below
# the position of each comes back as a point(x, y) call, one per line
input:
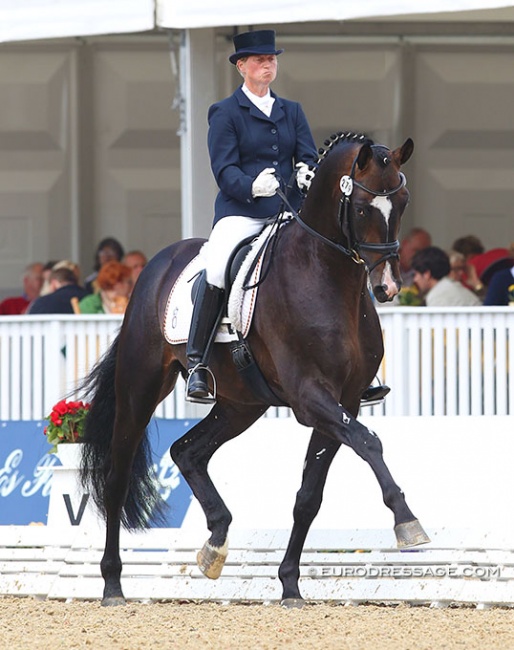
point(265, 184)
point(304, 176)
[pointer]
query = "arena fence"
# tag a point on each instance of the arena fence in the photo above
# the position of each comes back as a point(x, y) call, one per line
point(438, 361)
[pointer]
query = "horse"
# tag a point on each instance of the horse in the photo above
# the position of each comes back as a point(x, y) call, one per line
point(315, 337)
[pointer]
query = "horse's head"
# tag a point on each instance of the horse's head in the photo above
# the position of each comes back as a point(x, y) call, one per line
point(368, 195)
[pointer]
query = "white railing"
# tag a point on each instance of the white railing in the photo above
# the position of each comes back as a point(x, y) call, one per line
point(438, 361)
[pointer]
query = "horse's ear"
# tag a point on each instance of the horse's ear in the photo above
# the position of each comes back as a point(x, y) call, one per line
point(364, 156)
point(403, 153)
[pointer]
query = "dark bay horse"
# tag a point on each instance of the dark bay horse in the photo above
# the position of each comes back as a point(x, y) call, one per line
point(316, 338)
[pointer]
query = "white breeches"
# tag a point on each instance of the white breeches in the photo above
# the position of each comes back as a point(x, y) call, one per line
point(225, 236)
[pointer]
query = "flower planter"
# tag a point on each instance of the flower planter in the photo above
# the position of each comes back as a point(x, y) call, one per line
point(70, 505)
point(69, 454)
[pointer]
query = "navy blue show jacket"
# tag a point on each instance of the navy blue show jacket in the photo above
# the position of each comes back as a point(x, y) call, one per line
point(243, 141)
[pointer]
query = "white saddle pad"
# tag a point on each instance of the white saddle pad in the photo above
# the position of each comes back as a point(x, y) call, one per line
point(241, 304)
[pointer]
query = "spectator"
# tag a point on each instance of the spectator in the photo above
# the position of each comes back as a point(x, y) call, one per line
point(415, 240)
point(114, 287)
point(458, 266)
point(32, 283)
point(47, 269)
point(136, 261)
point(487, 264)
point(108, 249)
point(431, 275)
point(63, 288)
point(501, 288)
point(469, 246)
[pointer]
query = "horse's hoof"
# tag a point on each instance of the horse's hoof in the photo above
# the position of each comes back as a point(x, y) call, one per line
point(293, 603)
point(410, 534)
point(211, 559)
point(113, 601)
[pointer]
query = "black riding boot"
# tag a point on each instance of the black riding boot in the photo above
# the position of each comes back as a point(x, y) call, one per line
point(206, 310)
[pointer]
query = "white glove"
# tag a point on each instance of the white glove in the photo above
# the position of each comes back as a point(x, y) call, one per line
point(304, 176)
point(265, 184)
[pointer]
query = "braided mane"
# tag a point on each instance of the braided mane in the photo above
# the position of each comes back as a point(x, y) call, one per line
point(337, 138)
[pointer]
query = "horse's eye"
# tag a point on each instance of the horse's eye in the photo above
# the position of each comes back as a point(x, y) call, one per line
point(360, 212)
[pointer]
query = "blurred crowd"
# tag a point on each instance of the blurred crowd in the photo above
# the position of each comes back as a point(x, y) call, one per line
point(57, 287)
point(465, 275)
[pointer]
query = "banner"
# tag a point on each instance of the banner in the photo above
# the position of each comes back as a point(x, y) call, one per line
point(26, 472)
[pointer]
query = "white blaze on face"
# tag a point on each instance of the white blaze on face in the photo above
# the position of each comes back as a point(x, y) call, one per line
point(388, 281)
point(383, 203)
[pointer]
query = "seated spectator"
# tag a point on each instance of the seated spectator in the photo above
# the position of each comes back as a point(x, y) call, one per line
point(47, 269)
point(500, 289)
point(415, 240)
point(431, 275)
point(136, 261)
point(108, 249)
point(32, 283)
point(114, 287)
point(487, 264)
point(458, 267)
point(469, 246)
point(63, 287)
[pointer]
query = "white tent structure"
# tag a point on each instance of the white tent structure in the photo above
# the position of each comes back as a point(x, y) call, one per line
point(89, 146)
point(33, 19)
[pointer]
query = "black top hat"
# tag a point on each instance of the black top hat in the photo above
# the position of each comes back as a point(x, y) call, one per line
point(261, 41)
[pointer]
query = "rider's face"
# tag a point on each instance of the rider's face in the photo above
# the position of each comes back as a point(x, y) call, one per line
point(258, 69)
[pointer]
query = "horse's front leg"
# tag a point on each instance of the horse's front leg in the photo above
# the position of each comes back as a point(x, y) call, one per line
point(367, 445)
point(192, 453)
point(339, 427)
point(320, 454)
point(335, 421)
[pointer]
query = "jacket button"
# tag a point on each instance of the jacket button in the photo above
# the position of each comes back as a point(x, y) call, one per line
point(274, 147)
point(273, 131)
point(275, 163)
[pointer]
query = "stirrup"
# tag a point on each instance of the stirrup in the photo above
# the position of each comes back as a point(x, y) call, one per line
point(374, 395)
point(207, 399)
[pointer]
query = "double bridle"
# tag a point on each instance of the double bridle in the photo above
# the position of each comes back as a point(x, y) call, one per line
point(347, 183)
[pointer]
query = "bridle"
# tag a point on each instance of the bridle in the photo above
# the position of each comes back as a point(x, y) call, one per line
point(347, 183)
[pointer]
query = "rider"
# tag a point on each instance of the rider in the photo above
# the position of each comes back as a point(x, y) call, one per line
point(255, 138)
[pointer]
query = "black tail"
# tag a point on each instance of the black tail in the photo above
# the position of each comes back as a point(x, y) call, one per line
point(143, 504)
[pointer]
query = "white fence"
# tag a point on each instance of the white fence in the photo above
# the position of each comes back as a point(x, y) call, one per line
point(437, 361)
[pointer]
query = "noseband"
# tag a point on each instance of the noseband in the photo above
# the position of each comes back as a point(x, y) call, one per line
point(347, 183)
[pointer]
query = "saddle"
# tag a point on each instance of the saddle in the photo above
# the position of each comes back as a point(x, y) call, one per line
point(243, 276)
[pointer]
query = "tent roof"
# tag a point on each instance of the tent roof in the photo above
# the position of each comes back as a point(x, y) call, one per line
point(185, 14)
point(37, 19)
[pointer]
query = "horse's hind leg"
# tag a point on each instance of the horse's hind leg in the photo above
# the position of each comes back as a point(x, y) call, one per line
point(192, 453)
point(320, 455)
point(137, 397)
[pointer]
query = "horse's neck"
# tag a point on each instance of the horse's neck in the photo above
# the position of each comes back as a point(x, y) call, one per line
point(315, 263)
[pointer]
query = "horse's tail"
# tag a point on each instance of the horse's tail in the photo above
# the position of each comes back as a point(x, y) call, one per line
point(143, 503)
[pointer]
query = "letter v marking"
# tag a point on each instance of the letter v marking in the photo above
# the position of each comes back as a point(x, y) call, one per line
point(75, 521)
